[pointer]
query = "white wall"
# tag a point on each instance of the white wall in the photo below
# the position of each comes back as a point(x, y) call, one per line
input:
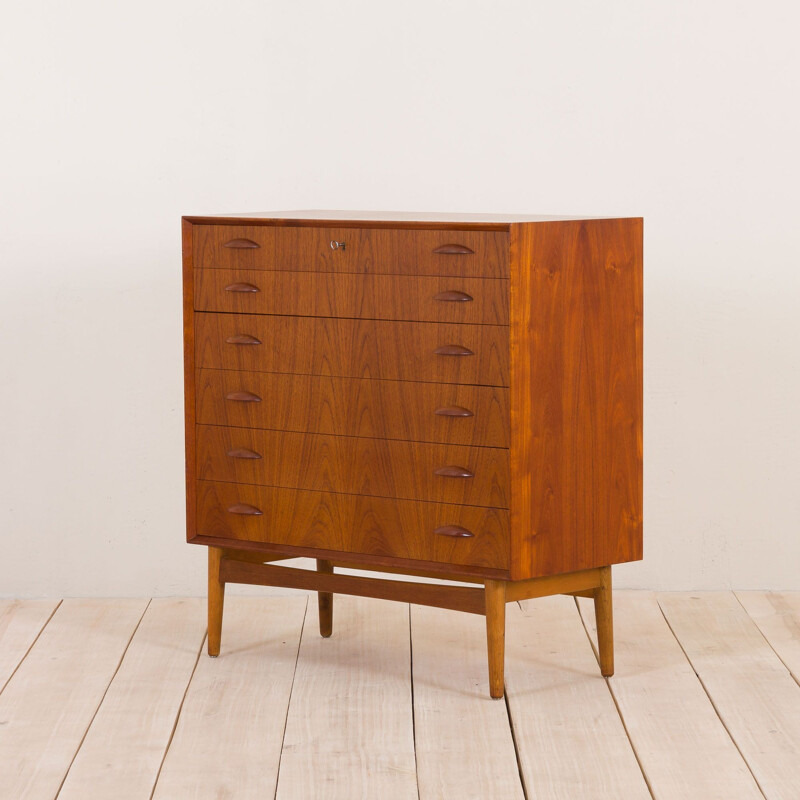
point(117, 119)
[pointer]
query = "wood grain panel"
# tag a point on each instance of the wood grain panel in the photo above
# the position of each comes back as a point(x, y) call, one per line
point(371, 408)
point(352, 465)
point(125, 745)
point(227, 742)
point(576, 398)
point(682, 745)
point(353, 524)
point(350, 731)
point(366, 250)
point(754, 694)
point(188, 373)
point(325, 294)
point(465, 748)
point(50, 701)
point(570, 740)
point(20, 623)
point(353, 348)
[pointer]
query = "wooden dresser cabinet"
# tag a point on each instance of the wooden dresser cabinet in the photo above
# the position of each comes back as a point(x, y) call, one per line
point(453, 397)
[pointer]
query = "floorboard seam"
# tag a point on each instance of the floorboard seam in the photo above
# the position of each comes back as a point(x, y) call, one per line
point(711, 699)
point(514, 743)
point(35, 639)
point(108, 686)
point(291, 692)
point(795, 678)
point(413, 714)
point(178, 716)
point(616, 704)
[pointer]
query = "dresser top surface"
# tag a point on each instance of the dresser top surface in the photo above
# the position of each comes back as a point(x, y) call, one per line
point(408, 219)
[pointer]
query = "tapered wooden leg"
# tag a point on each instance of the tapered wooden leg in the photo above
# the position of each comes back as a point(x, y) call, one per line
point(325, 602)
point(605, 623)
point(495, 595)
point(216, 599)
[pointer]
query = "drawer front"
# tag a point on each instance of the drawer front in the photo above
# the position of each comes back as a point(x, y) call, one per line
point(477, 476)
point(323, 294)
point(421, 351)
point(361, 250)
point(354, 524)
point(421, 412)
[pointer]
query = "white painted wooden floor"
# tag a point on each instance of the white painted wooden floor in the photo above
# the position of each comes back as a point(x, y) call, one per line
point(116, 699)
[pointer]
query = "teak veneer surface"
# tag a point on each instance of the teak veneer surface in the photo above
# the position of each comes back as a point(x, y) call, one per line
point(366, 250)
point(324, 294)
point(353, 524)
point(351, 465)
point(444, 394)
point(376, 219)
point(355, 407)
point(353, 348)
point(576, 395)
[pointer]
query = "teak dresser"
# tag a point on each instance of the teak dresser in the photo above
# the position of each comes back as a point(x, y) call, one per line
point(447, 396)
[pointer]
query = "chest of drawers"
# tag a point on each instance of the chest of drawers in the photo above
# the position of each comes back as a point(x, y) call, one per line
point(452, 397)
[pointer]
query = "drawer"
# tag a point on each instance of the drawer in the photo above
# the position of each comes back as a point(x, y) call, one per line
point(422, 412)
point(325, 294)
point(481, 254)
point(421, 351)
point(354, 524)
point(477, 476)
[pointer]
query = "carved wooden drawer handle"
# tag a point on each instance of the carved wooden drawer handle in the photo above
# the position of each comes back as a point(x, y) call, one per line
point(243, 452)
point(243, 397)
point(456, 531)
point(454, 472)
point(453, 350)
point(241, 287)
point(453, 297)
point(242, 338)
point(453, 250)
point(245, 509)
point(242, 244)
point(453, 411)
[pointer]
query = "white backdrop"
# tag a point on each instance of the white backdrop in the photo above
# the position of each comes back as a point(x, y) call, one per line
point(118, 118)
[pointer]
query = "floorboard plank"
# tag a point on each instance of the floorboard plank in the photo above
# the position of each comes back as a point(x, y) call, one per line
point(349, 732)
point(49, 702)
point(570, 739)
point(683, 748)
point(228, 739)
point(123, 750)
point(463, 739)
point(777, 615)
point(756, 697)
point(20, 623)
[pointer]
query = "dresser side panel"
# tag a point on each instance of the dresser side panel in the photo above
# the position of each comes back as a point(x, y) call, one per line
point(189, 378)
point(576, 395)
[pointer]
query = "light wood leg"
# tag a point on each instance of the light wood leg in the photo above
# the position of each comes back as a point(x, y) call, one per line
point(495, 594)
point(216, 599)
point(325, 602)
point(605, 622)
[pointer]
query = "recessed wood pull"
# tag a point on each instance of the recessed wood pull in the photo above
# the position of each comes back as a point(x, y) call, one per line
point(454, 411)
point(242, 338)
point(245, 509)
point(243, 397)
point(242, 244)
point(241, 287)
point(454, 250)
point(454, 472)
point(453, 350)
point(243, 452)
point(453, 297)
point(455, 531)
